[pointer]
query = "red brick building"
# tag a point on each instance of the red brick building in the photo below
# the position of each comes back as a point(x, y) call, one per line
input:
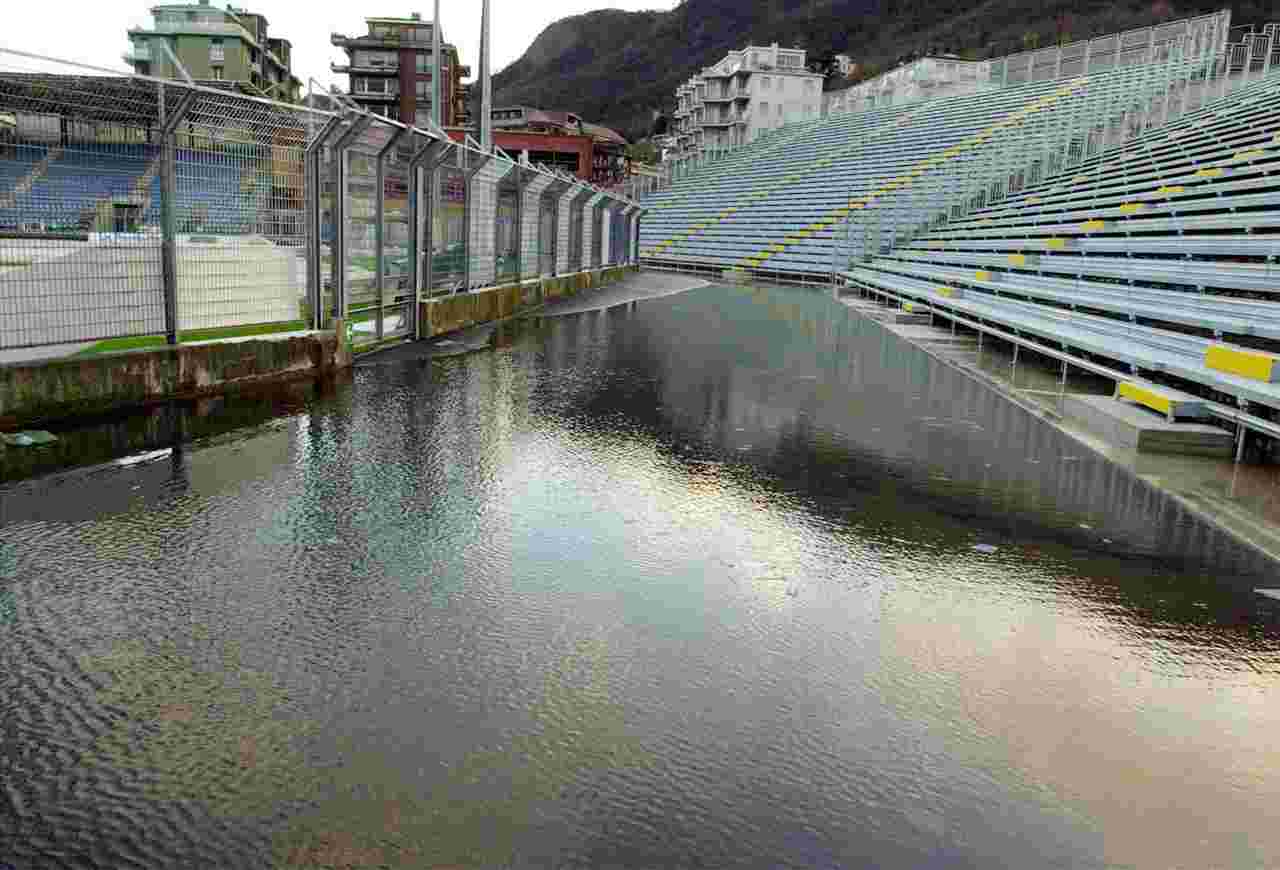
point(390, 71)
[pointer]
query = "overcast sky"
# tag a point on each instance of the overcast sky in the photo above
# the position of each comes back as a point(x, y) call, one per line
point(94, 32)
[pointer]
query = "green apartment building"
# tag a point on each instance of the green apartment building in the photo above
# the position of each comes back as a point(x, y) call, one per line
point(230, 45)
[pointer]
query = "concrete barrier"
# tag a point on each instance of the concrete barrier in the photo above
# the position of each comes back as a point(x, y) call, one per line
point(451, 313)
point(77, 386)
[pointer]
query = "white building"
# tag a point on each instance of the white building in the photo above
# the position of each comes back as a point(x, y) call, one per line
point(748, 92)
point(927, 77)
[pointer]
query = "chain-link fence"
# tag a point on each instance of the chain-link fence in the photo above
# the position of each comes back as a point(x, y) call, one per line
point(135, 210)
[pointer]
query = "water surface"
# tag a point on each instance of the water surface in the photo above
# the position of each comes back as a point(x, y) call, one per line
point(725, 578)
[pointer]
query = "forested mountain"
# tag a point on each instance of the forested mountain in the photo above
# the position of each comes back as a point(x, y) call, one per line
point(620, 68)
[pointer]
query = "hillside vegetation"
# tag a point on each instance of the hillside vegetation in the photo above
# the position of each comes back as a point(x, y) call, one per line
point(621, 68)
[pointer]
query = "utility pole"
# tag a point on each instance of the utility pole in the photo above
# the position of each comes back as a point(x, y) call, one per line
point(437, 90)
point(486, 96)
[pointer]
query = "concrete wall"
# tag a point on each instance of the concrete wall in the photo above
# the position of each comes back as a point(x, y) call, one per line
point(77, 386)
point(460, 311)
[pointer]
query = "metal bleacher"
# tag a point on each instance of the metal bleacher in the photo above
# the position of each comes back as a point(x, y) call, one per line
point(1127, 220)
point(1160, 253)
point(783, 205)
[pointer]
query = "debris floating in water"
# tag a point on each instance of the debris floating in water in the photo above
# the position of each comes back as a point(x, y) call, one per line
point(984, 548)
point(31, 438)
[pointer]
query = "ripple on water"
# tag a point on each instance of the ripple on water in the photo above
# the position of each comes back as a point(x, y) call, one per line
point(720, 578)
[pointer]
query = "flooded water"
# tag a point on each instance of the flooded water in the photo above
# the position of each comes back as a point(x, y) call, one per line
point(729, 578)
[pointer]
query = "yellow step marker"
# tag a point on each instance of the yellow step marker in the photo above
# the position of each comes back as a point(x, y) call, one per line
point(936, 243)
point(1091, 226)
point(1033, 199)
point(986, 220)
point(1132, 207)
point(1250, 154)
point(1017, 259)
point(908, 307)
point(1143, 396)
point(1080, 179)
point(764, 255)
point(1168, 189)
point(1211, 173)
point(805, 233)
point(777, 248)
point(1253, 364)
point(950, 292)
point(982, 275)
point(1055, 244)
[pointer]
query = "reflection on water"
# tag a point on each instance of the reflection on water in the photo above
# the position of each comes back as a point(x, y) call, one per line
point(723, 578)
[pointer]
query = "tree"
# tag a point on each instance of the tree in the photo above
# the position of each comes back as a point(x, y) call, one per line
point(642, 152)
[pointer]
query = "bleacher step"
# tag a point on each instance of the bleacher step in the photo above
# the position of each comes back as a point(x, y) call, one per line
point(1244, 362)
point(1132, 427)
point(1173, 404)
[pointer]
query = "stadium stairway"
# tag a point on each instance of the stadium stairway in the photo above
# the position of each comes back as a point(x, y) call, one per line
point(1160, 254)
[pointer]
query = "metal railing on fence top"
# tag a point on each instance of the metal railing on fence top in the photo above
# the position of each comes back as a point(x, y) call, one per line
point(135, 210)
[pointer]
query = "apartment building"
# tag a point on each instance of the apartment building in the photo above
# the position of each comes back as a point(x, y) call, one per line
point(745, 94)
point(390, 68)
point(212, 44)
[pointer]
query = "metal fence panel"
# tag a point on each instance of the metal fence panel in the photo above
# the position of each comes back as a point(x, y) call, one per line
point(136, 207)
point(531, 225)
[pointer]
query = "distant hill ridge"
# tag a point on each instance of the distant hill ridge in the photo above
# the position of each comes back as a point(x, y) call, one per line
point(618, 68)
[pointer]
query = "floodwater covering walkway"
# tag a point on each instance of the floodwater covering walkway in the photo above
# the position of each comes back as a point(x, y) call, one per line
point(730, 577)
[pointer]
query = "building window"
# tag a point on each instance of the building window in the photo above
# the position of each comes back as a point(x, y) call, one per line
point(422, 117)
point(216, 51)
point(765, 83)
point(217, 73)
point(422, 88)
point(370, 85)
point(764, 108)
point(808, 86)
point(144, 68)
point(423, 62)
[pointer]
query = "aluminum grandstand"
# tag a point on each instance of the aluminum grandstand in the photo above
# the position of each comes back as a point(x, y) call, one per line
point(1126, 221)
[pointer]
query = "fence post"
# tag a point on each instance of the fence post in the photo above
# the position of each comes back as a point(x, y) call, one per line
point(432, 158)
point(169, 121)
point(467, 199)
point(422, 174)
point(338, 256)
point(314, 228)
point(379, 214)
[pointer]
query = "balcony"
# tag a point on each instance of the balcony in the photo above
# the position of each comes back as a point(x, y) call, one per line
point(375, 97)
point(724, 97)
point(718, 121)
point(137, 54)
point(223, 28)
point(365, 69)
